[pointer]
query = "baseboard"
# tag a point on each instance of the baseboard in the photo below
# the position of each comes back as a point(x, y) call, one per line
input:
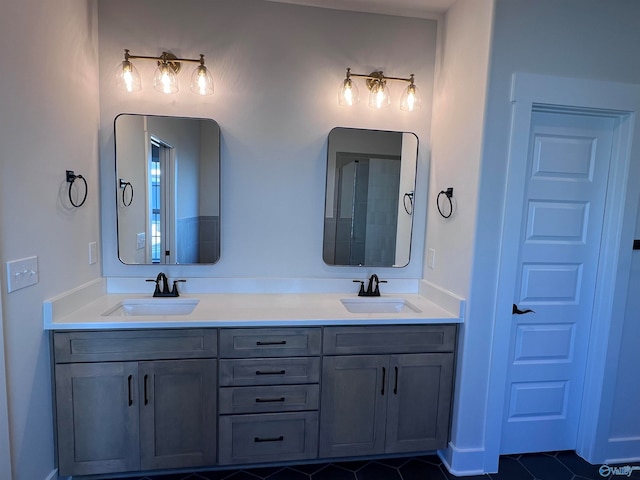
point(463, 462)
point(54, 476)
point(623, 450)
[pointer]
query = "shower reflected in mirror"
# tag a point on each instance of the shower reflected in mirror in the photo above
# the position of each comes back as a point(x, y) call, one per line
point(368, 219)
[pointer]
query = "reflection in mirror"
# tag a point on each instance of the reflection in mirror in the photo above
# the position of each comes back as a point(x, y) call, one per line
point(168, 189)
point(371, 177)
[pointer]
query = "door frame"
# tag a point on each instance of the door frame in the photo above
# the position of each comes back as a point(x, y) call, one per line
point(561, 94)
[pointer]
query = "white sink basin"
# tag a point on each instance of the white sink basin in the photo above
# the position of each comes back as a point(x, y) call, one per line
point(378, 305)
point(152, 306)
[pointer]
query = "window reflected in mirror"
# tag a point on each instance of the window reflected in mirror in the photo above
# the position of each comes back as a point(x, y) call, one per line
point(369, 197)
point(168, 180)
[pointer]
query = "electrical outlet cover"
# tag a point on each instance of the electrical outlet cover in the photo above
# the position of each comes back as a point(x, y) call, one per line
point(140, 241)
point(93, 253)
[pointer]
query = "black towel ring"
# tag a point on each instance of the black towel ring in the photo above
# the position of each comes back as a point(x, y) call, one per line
point(408, 195)
point(447, 193)
point(71, 178)
point(124, 185)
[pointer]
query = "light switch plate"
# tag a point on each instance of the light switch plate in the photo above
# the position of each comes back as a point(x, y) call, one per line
point(22, 273)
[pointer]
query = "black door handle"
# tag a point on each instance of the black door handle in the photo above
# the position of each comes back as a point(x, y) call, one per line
point(517, 311)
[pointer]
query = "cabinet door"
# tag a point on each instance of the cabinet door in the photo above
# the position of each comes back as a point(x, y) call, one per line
point(352, 406)
point(97, 418)
point(177, 413)
point(419, 402)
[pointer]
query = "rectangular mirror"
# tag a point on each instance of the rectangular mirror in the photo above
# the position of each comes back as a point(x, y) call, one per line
point(368, 216)
point(168, 189)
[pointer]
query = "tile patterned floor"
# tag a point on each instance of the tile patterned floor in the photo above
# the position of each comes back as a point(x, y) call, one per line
point(538, 466)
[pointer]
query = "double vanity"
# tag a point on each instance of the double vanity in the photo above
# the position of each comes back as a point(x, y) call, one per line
point(222, 380)
point(226, 380)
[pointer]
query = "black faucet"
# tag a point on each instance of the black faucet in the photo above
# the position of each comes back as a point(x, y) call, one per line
point(371, 291)
point(164, 291)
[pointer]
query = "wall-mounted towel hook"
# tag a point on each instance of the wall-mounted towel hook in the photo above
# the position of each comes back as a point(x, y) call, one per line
point(124, 185)
point(71, 178)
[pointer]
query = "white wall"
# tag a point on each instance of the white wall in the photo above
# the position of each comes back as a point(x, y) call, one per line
point(457, 139)
point(277, 68)
point(49, 123)
point(590, 39)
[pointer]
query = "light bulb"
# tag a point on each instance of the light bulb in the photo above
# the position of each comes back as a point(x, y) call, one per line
point(348, 94)
point(165, 80)
point(410, 98)
point(201, 81)
point(379, 97)
point(128, 78)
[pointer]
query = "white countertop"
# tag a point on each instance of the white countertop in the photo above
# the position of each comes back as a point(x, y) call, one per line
point(241, 310)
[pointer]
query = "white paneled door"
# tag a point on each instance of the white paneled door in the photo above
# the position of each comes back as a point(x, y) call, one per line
point(568, 162)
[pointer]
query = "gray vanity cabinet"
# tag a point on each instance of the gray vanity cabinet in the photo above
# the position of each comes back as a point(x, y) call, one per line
point(135, 400)
point(390, 402)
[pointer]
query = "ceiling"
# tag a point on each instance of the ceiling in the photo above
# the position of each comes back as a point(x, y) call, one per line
point(407, 8)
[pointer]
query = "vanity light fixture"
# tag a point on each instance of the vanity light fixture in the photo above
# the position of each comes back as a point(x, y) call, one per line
point(166, 77)
point(379, 94)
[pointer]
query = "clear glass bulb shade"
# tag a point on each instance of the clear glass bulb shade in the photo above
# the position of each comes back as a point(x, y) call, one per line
point(380, 97)
point(165, 79)
point(348, 94)
point(201, 81)
point(128, 78)
point(410, 100)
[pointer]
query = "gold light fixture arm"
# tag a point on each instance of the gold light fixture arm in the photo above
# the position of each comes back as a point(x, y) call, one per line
point(378, 76)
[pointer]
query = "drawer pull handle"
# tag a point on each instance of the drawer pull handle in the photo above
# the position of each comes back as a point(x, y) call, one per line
point(273, 439)
point(146, 390)
point(266, 400)
point(277, 342)
point(129, 378)
point(274, 372)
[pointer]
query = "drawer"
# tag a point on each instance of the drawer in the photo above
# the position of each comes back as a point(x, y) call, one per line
point(269, 342)
point(269, 371)
point(389, 339)
point(268, 437)
point(125, 345)
point(264, 399)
